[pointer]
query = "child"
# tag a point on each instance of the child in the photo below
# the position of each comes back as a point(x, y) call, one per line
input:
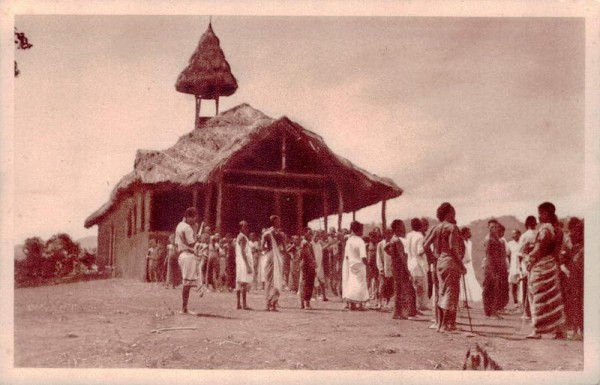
point(152, 258)
point(171, 262)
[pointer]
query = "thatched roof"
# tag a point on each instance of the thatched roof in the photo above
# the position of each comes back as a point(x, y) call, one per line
point(208, 74)
point(198, 157)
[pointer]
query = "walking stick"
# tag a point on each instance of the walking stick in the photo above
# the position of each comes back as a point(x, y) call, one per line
point(468, 312)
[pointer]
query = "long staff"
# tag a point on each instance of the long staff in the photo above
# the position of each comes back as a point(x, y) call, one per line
point(468, 312)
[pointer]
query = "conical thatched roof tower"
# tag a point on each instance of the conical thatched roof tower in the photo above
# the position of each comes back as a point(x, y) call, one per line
point(208, 75)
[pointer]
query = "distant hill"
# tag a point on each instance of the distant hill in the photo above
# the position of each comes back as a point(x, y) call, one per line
point(89, 243)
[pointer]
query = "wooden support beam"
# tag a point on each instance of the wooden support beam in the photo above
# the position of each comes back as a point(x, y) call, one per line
point(197, 119)
point(219, 218)
point(353, 216)
point(217, 105)
point(340, 205)
point(195, 196)
point(149, 209)
point(283, 151)
point(208, 203)
point(289, 190)
point(279, 175)
point(325, 208)
point(299, 213)
point(277, 204)
point(383, 215)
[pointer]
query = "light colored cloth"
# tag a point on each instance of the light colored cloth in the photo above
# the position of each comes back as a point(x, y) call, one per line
point(318, 252)
point(384, 260)
point(274, 266)
point(526, 243)
point(184, 236)
point(472, 291)
point(417, 263)
point(354, 271)
point(262, 266)
point(189, 264)
point(417, 266)
point(242, 246)
point(514, 272)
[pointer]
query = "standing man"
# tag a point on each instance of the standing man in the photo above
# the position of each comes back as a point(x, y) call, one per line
point(372, 271)
point(527, 241)
point(417, 263)
point(320, 265)
point(450, 249)
point(514, 276)
point(243, 265)
point(185, 240)
point(504, 288)
point(384, 265)
point(273, 244)
point(354, 269)
point(405, 299)
point(493, 266)
point(306, 259)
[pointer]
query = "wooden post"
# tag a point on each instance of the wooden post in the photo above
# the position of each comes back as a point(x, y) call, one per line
point(283, 151)
point(217, 105)
point(353, 216)
point(278, 204)
point(219, 205)
point(299, 213)
point(207, 203)
point(197, 120)
point(383, 216)
point(340, 206)
point(325, 209)
point(195, 196)
point(149, 209)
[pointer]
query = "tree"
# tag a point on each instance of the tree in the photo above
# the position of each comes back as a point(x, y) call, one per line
point(62, 253)
point(21, 42)
point(34, 251)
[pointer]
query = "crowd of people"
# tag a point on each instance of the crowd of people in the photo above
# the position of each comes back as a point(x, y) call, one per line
point(420, 270)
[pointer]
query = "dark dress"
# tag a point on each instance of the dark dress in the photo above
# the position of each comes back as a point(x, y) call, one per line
point(405, 303)
point(492, 283)
point(308, 267)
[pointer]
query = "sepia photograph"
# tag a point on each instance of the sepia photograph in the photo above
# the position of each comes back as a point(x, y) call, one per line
point(300, 194)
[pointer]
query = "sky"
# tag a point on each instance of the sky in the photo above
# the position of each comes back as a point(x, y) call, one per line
point(486, 113)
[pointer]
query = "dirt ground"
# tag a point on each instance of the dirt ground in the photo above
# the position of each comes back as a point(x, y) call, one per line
point(113, 324)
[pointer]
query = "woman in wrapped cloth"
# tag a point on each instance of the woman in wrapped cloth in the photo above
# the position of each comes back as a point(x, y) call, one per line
point(354, 269)
point(449, 246)
point(185, 240)
point(547, 308)
point(405, 302)
point(273, 243)
point(243, 265)
point(574, 278)
point(307, 270)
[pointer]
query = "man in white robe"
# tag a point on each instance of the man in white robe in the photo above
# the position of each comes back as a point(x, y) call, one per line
point(354, 269)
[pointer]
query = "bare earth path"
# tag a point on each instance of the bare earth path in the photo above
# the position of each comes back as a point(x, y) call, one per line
point(112, 323)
